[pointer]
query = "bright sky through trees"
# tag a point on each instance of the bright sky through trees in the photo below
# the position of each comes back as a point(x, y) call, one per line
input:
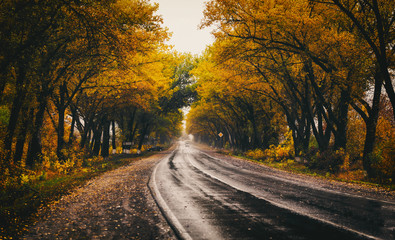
point(182, 17)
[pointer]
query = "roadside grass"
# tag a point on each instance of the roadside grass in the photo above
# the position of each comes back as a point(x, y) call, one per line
point(352, 175)
point(19, 204)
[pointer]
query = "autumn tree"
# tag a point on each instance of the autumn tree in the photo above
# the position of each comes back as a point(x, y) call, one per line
point(373, 22)
point(243, 116)
point(301, 46)
point(55, 47)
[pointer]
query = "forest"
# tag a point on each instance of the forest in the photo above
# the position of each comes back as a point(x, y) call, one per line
point(79, 79)
point(305, 80)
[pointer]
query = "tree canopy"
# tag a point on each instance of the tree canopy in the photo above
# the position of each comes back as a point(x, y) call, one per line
point(322, 65)
point(85, 76)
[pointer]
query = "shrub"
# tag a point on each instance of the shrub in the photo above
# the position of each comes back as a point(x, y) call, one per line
point(283, 151)
point(384, 165)
point(328, 160)
point(256, 154)
point(383, 158)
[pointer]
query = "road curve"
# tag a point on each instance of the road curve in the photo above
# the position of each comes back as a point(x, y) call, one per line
point(208, 198)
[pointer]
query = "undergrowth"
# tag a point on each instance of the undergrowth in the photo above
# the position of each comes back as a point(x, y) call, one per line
point(353, 174)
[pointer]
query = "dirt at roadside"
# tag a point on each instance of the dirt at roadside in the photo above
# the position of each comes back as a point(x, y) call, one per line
point(344, 187)
point(115, 205)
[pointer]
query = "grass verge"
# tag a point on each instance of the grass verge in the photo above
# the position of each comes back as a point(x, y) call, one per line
point(355, 176)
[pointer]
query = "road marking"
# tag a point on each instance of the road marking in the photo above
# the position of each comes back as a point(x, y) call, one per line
point(168, 214)
point(305, 185)
point(278, 204)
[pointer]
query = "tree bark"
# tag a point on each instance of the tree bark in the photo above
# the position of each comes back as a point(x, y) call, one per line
point(3, 82)
point(371, 125)
point(73, 123)
point(97, 143)
point(341, 131)
point(132, 126)
point(15, 111)
point(34, 151)
point(105, 149)
point(143, 134)
point(61, 107)
point(114, 146)
point(60, 146)
point(20, 144)
point(86, 135)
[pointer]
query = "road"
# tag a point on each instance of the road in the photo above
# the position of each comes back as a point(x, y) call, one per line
point(204, 197)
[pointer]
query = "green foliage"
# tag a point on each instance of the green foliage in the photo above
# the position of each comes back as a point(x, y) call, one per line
point(4, 115)
point(182, 86)
point(383, 167)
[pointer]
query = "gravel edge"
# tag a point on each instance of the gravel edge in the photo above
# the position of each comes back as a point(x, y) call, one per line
point(115, 205)
point(360, 190)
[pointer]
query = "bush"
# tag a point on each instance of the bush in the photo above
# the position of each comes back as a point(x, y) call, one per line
point(383, 158)
point(329, 160)
point(256, 154)
point(383, 165)
point(283, 151)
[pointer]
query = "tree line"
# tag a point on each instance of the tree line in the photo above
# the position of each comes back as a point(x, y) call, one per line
point(323, 70)
point(77, 74)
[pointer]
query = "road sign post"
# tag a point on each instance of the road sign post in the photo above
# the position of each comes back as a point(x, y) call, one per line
point(221, 141)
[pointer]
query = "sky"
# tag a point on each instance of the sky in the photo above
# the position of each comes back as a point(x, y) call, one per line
point(182, 17)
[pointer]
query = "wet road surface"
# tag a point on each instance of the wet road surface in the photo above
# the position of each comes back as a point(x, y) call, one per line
point(208, 198)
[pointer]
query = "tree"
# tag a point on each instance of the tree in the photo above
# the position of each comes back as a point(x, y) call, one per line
point(49, 58)
point(374, 23)
point(298, 49)
point(243, 116)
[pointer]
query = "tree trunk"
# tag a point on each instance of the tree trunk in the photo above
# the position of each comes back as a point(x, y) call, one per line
point(73, 123)
point(389, 88)
point(34, 151)
point(132, 126)
point(97, 140)
point(307, 135)
point(96, 144)
point(20, 144)
point(114, 146)
point(134, 132)
point(2, 85)
point(341, 131)
point(371, 125)
point(60, 145)
point(15, 113)
point(85, 138)
point(61, 113)
point(105, 149)
point(143, 134)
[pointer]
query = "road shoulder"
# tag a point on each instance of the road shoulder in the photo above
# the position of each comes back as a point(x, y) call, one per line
point(333, 185)
point(115, 205)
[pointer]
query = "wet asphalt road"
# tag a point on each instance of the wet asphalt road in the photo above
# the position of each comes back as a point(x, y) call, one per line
point(208, 198)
